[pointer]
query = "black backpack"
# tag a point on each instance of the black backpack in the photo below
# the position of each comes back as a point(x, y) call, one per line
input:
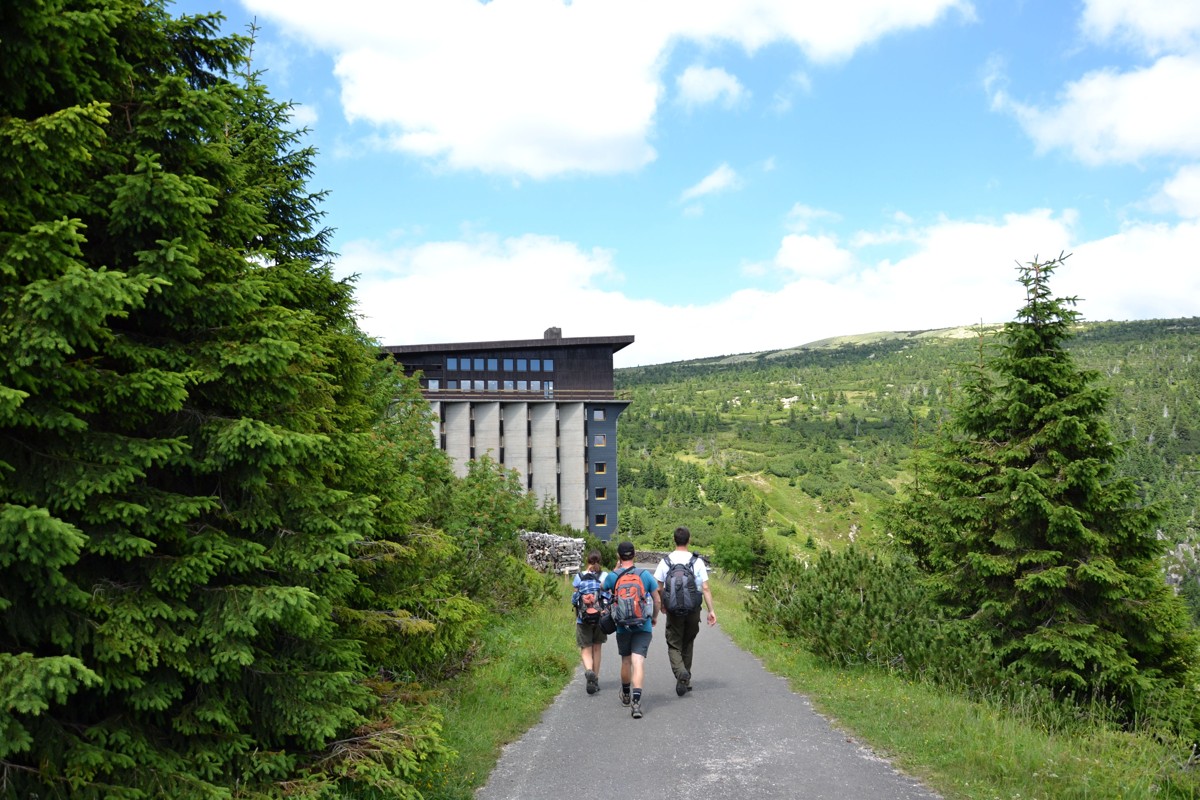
point(679, 592)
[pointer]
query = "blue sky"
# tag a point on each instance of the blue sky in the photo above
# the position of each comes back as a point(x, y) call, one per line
point(719, 178)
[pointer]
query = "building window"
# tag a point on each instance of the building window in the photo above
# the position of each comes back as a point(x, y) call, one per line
point(479, 386)
point(508, 386)
point(508, 365)
point(493, 386)
point(434, 384)
point(601, 467)
point(522, 386)
point(548, 364)
point(493, 365)
point(479, 365)
point(452, 364)
point(452, 385)
point(466, 386)
point(521, 365)
point(598, 414)
point(464, 363)
point(602, 520)
point(601, 440)
point(549, 388)
point(535, 365)
point(601, 493)
point(535, 386)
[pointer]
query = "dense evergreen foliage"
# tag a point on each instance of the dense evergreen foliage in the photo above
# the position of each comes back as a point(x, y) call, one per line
point(1028, 532)
point(228, 546)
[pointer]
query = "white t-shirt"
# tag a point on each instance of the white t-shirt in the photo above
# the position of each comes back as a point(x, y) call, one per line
point(679, 557)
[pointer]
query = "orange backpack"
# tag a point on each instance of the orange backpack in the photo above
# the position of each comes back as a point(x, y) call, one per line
point(631, 602)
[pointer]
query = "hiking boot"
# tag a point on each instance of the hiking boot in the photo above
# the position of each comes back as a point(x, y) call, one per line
point(682, 683)
point(593, 683)
point(636, 710)
point(624, 698)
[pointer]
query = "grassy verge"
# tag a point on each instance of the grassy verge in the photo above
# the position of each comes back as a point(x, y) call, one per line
point(963, 749)
point(522, 666)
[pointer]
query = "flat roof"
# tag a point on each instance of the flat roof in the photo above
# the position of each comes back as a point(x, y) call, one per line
point(615, 342)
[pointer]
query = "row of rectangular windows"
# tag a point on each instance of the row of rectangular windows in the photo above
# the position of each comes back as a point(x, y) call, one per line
point(435, 385)
point(493, 364)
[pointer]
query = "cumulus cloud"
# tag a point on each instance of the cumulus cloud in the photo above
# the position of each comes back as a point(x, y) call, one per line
point(958, 272)
point(543, 87)
point(702, 86)
point(1181, 193)
point(1113, 116)
point(721, 179)
point(801, 217)
point(1154, 27)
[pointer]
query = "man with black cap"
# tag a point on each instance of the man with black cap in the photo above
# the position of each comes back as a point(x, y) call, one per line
point(635, 605)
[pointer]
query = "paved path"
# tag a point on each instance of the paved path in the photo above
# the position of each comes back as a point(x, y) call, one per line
point(752, 739)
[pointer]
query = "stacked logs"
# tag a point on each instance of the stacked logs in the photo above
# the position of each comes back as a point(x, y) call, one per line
point(547, 552)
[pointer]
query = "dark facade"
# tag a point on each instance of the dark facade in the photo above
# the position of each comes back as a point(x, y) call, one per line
point(543, 407)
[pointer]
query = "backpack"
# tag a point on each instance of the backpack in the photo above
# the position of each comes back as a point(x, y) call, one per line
point(631, 602)
point(590, 599)
point(680, 596)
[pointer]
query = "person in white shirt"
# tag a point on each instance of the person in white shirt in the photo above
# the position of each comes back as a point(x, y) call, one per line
point(683, 621)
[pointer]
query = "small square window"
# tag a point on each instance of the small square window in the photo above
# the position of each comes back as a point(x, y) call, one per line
point(493, 365)
point(508, 386)
point(548, 365)
point(535, 386)
point(434, 384)
point(464, 363)
point(600, 440)
point(601, 493)
point(508, 365)
point(493, 386)
point(466, 386)
point(453, 385)
point(479, 365)
point(601, 467)
point(479, 386)
point(522, 386)
point(602, 520)
point(452, 364)
point(598, 415)
point(521, 364)
point(535, 365)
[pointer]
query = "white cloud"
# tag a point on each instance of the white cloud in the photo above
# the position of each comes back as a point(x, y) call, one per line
point(701, 86)
point(1111, 116)
point(800, 217)
point(544, 87)
point(1181, 193)
point(721, 179)
point(813, 256)
point(304, 116)
point(1154, 27)
point(957, 273)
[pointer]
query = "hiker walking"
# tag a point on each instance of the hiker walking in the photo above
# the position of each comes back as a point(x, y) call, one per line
point(683, 578)
point(635, 609)
point(590, 601)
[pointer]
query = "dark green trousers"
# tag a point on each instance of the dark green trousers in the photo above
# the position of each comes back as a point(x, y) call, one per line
point(681, 635)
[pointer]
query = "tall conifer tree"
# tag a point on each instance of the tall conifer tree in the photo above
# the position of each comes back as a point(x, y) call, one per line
point(1028, 531)
point(186, 412)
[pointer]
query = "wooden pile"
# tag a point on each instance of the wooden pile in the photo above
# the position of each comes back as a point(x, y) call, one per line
point(547, 552)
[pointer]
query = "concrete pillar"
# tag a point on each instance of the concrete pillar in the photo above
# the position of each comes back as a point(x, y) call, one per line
point(572, 466)
point(516, 439)
point(543, 440)
point(436, 422)
point(458, 436)
point(487, 430)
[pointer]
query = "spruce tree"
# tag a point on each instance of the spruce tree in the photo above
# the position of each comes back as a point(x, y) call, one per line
point(1028, 532)
point(190, 428)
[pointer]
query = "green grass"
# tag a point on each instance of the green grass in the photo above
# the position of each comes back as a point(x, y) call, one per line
point(521, 667)
point(963, 749)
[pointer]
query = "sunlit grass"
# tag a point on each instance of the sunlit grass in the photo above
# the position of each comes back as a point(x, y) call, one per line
point(522, 666)
point(967, 750)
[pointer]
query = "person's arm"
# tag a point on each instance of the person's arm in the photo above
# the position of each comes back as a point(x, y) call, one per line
point(712, 613)
point(657, 595)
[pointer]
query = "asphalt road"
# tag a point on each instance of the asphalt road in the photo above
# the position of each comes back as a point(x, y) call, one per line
point(742, 733)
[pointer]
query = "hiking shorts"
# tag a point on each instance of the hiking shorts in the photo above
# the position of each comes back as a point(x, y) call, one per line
point(588, 635)
point(630, 642)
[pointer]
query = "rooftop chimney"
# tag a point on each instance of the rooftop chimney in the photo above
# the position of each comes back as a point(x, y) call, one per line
point(553, 333)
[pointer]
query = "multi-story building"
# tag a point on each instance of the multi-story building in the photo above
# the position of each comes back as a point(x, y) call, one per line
point(543, 407)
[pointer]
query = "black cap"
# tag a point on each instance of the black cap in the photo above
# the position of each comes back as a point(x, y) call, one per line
point(625, 550)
